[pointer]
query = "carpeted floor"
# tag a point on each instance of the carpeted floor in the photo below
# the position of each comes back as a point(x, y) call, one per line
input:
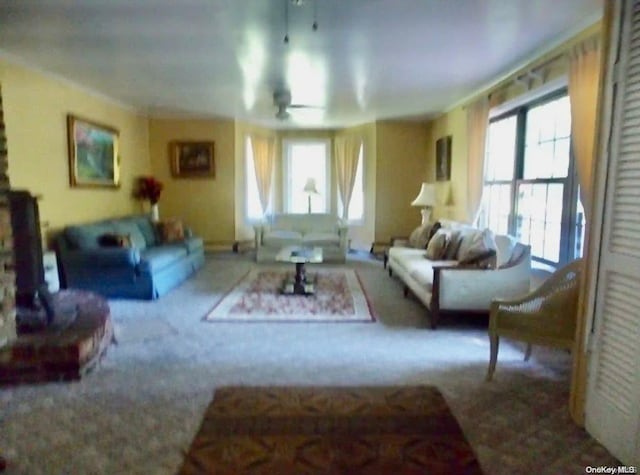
point(140, 410)
point(364, 430)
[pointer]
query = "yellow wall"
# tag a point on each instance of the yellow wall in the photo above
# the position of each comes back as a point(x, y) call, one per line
point(455, 124)
point(35, 112)
point(205, 205)
point(401, 166)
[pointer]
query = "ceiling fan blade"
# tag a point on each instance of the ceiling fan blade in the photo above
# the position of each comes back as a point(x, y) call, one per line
point(303, 106)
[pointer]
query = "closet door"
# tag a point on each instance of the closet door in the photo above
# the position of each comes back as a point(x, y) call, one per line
point(613, 391)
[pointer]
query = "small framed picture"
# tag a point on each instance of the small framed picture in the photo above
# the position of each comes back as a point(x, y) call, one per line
point(443, 158)
point(192, 159)
point(93, 153)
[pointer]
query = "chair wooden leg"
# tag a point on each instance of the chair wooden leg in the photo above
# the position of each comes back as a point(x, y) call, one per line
point(527, 353)
point(390, 272)
point(495, 341)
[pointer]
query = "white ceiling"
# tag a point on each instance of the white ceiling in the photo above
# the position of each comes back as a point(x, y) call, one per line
point(369, 59)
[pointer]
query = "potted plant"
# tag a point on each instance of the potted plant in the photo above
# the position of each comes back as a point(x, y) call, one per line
point(150, 189)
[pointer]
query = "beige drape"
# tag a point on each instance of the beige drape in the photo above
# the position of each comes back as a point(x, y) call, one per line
point(584, 77)
point(347, 151)
point(477, 123)
point(263, 160)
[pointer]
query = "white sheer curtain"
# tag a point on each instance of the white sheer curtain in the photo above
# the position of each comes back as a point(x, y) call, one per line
point(584, 80)
point(477, 123)
point(347, 152)
point(263, 159)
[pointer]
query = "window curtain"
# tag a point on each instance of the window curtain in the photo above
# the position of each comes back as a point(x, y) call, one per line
point(347, 152)
point(477, 123)
point(584, 79)
point(263, 161)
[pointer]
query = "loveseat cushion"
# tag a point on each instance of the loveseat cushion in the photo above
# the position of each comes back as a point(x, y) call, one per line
point(158, 257)
point(321, 239)
point(193, 244)
point(477, 244)
point(281, 238)
point(130, 228)
point(86, 236)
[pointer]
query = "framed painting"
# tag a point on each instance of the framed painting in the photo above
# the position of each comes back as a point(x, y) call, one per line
point(93, 153)
point(192, 159)
point(443, 158)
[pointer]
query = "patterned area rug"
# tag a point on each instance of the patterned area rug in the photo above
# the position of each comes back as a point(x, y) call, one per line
point(339, 297)
point(405, 430)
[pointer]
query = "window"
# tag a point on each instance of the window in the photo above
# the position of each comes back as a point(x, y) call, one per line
point(356, 205)
point(530, 185)
point(253, 206)
point(305, 159)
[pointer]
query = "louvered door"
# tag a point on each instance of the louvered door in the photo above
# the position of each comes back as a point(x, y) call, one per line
point(613, 393)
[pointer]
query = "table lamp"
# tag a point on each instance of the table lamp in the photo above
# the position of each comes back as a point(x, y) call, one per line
point(426, 198)
point(310, 189)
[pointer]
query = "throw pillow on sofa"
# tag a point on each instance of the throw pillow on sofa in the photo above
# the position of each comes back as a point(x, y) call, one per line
point(479, 244)
point(438, 245)
point(171, 230)
point(115, 240)
point(420, 236)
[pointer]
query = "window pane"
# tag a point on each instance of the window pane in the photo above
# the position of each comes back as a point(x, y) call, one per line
point(501, 146)
point(497, 207)
point(547, 140)
point(306, 160)
point(538, 218)
point(356, 205)
point(254, 207)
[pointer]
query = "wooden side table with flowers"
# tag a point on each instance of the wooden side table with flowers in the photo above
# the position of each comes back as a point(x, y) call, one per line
point(150, 189)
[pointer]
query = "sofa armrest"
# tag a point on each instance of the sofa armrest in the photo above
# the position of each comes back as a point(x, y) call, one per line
point(343, 232)
point(103, 257)
point(473, 288)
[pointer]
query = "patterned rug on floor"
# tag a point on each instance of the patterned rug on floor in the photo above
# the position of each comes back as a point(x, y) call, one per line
point(301, 430)
point(339, 297)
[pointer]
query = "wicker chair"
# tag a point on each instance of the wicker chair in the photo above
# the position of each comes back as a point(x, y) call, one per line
point(547, 316)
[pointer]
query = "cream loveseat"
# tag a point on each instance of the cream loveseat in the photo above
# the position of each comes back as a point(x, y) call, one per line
point(314, 230)
point(446, 285)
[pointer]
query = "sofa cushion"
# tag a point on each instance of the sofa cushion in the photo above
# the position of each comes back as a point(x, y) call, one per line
point(476, 244)
point(86, 236)
point(159, 257)
point(193, 244)
point(147, 229)
point(281, 238)
point(321, 239)
point(419, 237)
point(422, 270)
point(504, 248)
point(130, 228)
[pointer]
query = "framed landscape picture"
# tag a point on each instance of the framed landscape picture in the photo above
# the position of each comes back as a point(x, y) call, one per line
point(93, 153)
point(192, 159)
point(443, 158)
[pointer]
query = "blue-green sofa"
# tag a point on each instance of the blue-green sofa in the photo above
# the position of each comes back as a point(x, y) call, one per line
point(146, 270)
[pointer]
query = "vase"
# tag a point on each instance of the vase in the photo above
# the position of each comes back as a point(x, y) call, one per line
point(155, 212)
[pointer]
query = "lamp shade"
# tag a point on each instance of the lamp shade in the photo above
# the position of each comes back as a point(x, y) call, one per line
point(310, 186)
point(426, 197)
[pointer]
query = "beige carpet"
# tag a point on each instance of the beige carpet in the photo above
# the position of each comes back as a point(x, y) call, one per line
point(366, 430)
point(338, 297)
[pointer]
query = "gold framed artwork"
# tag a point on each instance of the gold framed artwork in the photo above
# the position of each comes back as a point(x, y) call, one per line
point(443, 158)
point(192, 159)
point(93, 153)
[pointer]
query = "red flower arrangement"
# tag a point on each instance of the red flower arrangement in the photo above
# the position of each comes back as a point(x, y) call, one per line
point(149, 188)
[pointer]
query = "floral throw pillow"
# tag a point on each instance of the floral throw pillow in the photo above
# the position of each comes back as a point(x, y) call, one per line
point(171, 230)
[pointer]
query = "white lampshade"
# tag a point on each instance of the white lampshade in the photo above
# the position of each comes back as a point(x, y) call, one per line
point(426, 197)
point(310, 186)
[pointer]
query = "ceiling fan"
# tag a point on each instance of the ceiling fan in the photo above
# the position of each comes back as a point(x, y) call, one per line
point(282, 100)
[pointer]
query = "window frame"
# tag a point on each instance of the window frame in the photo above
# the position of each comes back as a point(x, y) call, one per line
point(568, 225)
point(286, 169)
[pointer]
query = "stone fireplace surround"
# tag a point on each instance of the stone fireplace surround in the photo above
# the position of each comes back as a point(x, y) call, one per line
point(7, 274)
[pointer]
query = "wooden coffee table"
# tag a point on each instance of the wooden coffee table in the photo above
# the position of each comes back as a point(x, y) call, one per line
point(300, 283)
